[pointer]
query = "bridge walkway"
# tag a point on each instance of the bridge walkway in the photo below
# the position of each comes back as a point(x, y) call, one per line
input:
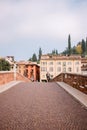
point(40, 106)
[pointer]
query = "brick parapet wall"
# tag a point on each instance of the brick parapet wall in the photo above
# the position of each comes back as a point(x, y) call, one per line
point(21, 77)
point(77, 81)
point(8, 76)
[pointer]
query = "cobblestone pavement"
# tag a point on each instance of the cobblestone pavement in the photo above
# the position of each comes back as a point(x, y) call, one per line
point(40, 106)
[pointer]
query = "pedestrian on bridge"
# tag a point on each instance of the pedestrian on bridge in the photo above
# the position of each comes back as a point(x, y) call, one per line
point(48, 76)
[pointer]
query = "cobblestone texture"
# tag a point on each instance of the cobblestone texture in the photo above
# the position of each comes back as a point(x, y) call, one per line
point(40, 106)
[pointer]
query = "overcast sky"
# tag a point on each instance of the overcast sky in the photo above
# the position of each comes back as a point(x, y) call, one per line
point(26, 25)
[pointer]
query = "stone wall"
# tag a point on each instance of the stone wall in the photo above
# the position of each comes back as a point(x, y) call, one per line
point(7, 76)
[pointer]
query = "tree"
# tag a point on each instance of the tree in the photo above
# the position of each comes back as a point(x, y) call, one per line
point(83, 45)
point(30, 59)
point(74, 50)
point(4, 65)
point(69, 45)
point(79, 48)
point(34, 58)
point(86, 46)
point(54, 52)
point(40, 53)
point(65, 52)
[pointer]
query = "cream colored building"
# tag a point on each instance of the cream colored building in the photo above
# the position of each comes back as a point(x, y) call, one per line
point(55, 64)
point(84, 65)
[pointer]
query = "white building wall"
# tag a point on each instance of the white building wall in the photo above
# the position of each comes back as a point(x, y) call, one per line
point(59, 66)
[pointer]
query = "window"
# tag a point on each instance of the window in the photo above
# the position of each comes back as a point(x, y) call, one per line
point(69, 69)
point(77, 62)
point(43, 63)
point(24, 67)
point(50, 63)
point(59, 69)
point(43, 76)
point(50, 56)
point(58, 63)
point(77, 69)
point(51, 69)
point(64, 69)
point(19, 67)
point(64, 63)
point(69, 63)
point(12, 67)
point(43, 69)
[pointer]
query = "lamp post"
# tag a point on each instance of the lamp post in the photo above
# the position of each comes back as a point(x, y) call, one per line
point(14, 71)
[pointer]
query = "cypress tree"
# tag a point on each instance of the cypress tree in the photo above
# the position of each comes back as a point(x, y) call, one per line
point(56, 52)
point(53, 52)
point(86, 46)
point(34, 58)
point(69, 45)
point(83, 45)
point(40, 53)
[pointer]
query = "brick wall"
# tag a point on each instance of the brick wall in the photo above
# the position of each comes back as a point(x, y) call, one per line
point(8, 76)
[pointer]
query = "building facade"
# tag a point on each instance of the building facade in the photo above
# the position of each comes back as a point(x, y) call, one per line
point(31, 70)
point(55, 64)
point(21, 67)
point(84, 66)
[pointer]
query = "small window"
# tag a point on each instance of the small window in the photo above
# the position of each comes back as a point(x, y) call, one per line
point(43, 69)
point(69, 63)
point(50, 63)
point(51, 69)
point(69, 69)
point(59, 69)
point(43, 63)
point(77, 63)
point(58, 63)
point(77, 69)
point(64, 69)
point(64, 63)
point(43, 76)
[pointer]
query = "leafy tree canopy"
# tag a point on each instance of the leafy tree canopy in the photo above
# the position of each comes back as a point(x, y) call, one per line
point(4, 65)
point(34, 58)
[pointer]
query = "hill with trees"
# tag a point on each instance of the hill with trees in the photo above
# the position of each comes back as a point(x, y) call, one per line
point(36, 58)
point(79, 49)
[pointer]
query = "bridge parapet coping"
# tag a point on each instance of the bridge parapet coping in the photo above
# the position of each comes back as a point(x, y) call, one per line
point(81, 97)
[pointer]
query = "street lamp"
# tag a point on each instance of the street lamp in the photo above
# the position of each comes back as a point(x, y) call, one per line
point(14, 71)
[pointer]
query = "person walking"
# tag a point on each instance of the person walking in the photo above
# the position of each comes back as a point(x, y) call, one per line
point(48, 76)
